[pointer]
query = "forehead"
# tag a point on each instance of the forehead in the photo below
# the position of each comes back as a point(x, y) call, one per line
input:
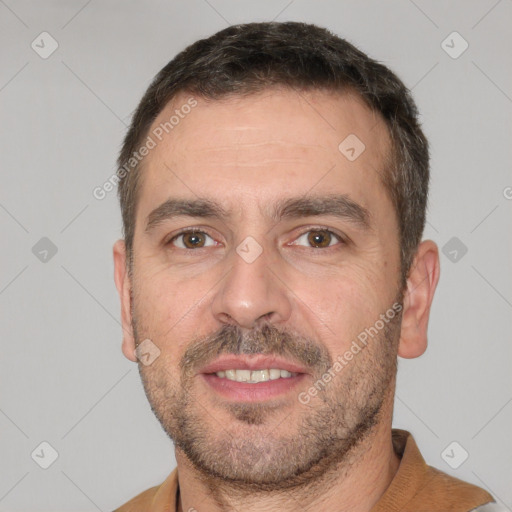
point(260, 146)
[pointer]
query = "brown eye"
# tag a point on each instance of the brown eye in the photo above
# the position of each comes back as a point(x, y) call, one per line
point(192, 240)
point(318, 238)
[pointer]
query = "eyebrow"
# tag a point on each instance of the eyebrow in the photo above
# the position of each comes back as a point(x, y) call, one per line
point(340, 206)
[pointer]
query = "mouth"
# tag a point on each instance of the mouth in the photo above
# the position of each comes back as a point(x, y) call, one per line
point(252, 378)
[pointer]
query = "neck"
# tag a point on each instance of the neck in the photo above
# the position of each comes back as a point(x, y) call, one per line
point(354, 485)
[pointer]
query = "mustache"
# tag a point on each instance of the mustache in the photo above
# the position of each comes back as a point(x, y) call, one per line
point(267, 340)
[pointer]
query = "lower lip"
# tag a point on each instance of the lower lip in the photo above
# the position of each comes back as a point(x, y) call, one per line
point(245, 392)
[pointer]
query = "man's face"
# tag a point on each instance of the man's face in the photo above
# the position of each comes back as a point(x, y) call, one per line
point(299, 257)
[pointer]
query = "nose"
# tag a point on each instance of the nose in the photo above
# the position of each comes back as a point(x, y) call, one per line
point(253, 291)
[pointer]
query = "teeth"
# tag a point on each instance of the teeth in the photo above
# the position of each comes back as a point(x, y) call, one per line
point(243, 375)
point(274, 374)
point(255, 376)
point(259, 376)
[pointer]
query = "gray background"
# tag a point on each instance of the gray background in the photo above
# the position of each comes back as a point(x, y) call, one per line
point(63, 378)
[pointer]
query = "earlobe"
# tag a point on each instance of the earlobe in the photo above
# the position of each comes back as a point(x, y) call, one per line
point(123, 286)
point(421, 285)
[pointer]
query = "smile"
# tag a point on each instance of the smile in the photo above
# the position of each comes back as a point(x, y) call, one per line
point(255, 376)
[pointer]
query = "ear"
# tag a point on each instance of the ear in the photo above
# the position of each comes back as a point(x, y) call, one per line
point(123, 286)
point(421, 285)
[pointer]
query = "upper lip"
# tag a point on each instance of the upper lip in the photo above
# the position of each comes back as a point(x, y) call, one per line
point(251, 362)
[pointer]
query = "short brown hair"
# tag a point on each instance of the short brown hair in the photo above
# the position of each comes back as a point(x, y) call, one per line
point(244, 59)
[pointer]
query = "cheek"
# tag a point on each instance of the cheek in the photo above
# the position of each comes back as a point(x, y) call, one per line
point(167, 308)
point(343, 304)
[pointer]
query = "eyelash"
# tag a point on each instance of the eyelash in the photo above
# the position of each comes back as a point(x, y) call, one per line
point(341, 239)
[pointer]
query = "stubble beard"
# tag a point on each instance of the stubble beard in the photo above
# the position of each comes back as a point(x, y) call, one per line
point(253, 451)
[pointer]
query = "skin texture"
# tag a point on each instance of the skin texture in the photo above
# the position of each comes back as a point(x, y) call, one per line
point(304, 302)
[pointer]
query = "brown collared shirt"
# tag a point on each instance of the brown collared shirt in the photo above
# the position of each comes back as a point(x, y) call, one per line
point(416, 487)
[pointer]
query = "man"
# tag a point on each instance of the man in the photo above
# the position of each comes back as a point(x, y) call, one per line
point(273, 187)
